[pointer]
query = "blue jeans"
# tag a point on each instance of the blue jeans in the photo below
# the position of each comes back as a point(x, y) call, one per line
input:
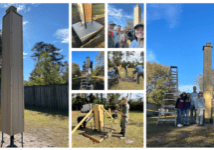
point(179, 115)
point(185, 116)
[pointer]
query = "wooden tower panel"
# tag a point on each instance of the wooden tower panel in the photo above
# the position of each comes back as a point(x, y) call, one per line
point(12, 100)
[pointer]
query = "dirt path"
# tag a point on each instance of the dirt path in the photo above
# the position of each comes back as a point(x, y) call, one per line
point(29, 141)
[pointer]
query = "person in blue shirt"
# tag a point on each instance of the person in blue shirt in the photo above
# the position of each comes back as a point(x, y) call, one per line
point(138, 36)
point(139, 70)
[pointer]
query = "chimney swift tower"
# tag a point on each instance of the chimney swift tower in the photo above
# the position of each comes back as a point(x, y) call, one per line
point(137, 14)
point(207, 81)
point(12, 89)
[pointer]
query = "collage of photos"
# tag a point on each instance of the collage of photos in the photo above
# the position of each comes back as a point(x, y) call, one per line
point(67, 81)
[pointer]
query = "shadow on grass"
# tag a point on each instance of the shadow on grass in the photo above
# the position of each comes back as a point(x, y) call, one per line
point(48, 111)
point(168, 135)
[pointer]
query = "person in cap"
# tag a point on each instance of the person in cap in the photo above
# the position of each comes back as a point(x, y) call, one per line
point(138, 36)
point(117, 34)
point(123, 42)
point(193, 100)
point(124, 111)
point(111, 26)
point(200, 107)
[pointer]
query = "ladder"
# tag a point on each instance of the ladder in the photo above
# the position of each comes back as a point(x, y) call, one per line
point(86, 82)
point(170, 97)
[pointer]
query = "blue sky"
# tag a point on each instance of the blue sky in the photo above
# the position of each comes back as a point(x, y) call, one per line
point(176, 34)
point(119, 13)
point(80, 56)
point(41, 22)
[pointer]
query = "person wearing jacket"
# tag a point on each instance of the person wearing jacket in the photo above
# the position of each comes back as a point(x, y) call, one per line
point(186, 109)
point(193, 99)
point(111, 37)
point(200, 107)
point(124, 111)
point(179, 105)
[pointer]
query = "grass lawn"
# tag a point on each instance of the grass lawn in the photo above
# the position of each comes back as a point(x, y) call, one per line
point(97, 80)
point(127, 85)
point(167, 135)
point(134, 132)
point(50, 125)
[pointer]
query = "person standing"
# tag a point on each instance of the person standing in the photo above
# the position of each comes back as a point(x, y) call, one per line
point(111, 26)
point(185, 111)
point(124, 116)
point(127, 66)
point(193, 98)
point(200, 107)
point(179, 105)
point(139, 70)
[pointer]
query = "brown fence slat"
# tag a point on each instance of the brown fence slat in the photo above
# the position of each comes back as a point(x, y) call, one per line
point(47, 96)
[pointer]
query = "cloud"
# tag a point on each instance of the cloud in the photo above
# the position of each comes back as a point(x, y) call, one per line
point(151, 56)
point(19, 6)
point(25, 22)
point(63, 35)
point(118, 13)
point(169, 12)
point(186, 88)
point(59, 51)
point(25, 53)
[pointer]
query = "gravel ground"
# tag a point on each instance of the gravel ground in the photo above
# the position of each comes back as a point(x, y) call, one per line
point(29, 141)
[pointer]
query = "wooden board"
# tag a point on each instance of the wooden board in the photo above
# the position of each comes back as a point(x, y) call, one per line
point(98, 116)
point(88, 11)
point(12, 101)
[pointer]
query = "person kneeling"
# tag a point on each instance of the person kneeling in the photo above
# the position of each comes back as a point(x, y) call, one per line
point(83, 125)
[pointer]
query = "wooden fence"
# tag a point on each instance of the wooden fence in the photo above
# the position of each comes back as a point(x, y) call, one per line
point(47, 96)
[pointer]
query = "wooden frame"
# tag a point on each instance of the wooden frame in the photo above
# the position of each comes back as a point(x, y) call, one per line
point(99, 122)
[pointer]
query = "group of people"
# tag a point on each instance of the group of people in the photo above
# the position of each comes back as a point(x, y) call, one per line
point(124, 38)
point(186, 103)
point(137, 73)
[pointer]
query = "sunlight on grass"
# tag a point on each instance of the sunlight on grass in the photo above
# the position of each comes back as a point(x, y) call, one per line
point(134, 132)
point(127, 85)
point(51, 128)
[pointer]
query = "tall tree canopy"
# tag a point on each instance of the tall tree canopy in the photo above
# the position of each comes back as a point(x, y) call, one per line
point(199, 81)
point(156, 78)
point(45, 72)
point(53, 52)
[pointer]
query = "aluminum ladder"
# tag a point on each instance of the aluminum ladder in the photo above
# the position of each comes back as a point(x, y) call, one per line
point(170, 97)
